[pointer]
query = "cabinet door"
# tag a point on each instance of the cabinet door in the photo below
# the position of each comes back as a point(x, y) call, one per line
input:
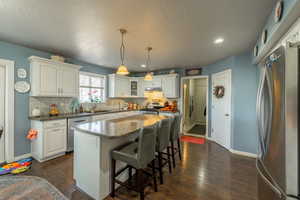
point(55, 141)
point(48, 80)
point(170, 87)
point(156, 82)
point(68, 82)
point(122, 87)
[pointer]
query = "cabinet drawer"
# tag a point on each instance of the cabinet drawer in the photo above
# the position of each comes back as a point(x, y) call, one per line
point(55, 124)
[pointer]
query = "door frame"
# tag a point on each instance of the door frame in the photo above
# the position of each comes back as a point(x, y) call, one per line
point(207, 99)
point(9, 66)
point(213, 138)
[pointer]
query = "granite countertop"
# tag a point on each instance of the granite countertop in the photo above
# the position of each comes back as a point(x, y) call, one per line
point(115, 128)
point(75, 115)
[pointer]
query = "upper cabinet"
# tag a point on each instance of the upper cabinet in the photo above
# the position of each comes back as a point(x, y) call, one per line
point(119, 86)
point(170, 86)
point(124, 86)
point(53, 79)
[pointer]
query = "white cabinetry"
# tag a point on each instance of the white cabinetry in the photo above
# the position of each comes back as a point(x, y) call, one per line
point(119, 86)
point(52, 78)
point(170, 86)
point(51, 141)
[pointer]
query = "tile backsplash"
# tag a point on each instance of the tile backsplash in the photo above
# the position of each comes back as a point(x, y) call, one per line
point(64, 104)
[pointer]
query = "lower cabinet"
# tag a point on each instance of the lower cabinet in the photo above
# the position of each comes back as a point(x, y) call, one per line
point(51, 141)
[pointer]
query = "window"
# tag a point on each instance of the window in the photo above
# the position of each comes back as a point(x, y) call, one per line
point(92, 87)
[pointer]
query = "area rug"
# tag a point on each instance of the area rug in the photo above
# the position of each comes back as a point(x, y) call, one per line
point(198, 130)
point(28, 188)
point(195, 140)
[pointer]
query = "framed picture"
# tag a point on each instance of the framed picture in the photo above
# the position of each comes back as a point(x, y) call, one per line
point(193, 72)
point(278, 11)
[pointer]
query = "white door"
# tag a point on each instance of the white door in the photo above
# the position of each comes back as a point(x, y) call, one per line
point(49, 80)
point(221, 109)
point(69, 82)
point(2, 114)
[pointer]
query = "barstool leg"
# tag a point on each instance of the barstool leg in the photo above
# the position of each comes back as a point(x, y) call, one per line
point(154, 175)
point(112, 178)
point(169, 160)
point(130, 174)
point(179, 148)
point(160, 168)
point(140, 183)
point(173, 153)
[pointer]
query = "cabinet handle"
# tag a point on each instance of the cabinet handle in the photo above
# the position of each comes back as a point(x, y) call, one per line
point(56, 130)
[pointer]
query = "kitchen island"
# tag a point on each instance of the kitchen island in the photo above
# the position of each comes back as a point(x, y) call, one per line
point(93, 144)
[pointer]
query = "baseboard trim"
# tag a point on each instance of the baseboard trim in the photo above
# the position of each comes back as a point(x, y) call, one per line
point(243, 153)
point(27, 155)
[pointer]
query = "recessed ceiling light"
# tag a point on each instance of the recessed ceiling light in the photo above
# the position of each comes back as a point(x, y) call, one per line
point(219, 40)
point(143, 65)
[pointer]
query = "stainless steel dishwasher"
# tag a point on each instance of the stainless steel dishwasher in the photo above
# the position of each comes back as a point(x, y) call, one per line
point(70, 136)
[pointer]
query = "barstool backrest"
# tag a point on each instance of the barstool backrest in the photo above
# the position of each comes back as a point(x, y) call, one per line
point(175, 128)
point(147, 143)
point(163, 134)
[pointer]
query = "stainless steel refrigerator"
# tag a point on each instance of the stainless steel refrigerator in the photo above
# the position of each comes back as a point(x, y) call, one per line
point(278, 119)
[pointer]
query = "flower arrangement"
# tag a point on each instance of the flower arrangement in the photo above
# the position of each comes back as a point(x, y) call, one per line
point(93, 97)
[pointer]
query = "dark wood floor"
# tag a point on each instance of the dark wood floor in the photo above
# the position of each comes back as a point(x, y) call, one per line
point(207, 172)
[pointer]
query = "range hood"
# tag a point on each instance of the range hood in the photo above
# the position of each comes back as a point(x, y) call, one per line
point(153, 89)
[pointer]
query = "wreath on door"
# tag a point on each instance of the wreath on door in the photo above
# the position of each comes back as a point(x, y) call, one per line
point(219, 91)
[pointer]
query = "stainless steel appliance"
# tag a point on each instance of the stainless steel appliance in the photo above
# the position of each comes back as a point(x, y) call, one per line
point(70, 136)
point(277, 114)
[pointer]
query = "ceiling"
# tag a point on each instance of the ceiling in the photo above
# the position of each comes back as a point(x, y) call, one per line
point(181, 32)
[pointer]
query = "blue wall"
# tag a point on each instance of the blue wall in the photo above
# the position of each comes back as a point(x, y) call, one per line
point(272, 26)
point(244, 89)
point(20, 55)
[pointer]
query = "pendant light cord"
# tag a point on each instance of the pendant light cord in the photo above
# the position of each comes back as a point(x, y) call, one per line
point(122, 48)
point(148, 58)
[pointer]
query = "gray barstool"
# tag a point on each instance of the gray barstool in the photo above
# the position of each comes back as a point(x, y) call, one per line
point(163, 138)
point(175, 137)
point(136, 155)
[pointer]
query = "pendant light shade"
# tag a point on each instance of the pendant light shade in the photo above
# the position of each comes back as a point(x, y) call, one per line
point(149, 76)
point(122, 69)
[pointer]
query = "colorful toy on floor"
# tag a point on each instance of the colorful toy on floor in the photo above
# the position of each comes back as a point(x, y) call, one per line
point(16, 167)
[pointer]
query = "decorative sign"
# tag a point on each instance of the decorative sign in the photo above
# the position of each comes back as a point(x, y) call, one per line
point(219, 91)
point(193, 72)
point(278, 11)
point(264, 37)
point(22, 87)
point(21, 72)
point(255, 51)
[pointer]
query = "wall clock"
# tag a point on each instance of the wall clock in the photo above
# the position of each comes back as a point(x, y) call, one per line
point(21, 72)
point(278, 11)
point(22, 86)
point(264, 37)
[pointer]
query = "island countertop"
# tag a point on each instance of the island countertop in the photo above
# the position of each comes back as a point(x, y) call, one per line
point(115, 128)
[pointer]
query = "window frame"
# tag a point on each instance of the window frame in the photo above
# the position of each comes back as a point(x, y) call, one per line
point(91, 87)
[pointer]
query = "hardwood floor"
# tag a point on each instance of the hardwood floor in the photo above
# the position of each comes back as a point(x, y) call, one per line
point(207, 172)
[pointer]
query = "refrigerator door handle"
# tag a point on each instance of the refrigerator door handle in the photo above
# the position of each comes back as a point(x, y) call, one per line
point(266, 140)
point(274, 188)
point(258, 112)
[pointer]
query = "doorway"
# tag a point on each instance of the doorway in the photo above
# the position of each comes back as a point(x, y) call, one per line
point(221, 108)
point(194, 105)
point(2, 114)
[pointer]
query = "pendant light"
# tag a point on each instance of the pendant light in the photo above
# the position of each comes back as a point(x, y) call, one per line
point(148, 76)
point(122, 70)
